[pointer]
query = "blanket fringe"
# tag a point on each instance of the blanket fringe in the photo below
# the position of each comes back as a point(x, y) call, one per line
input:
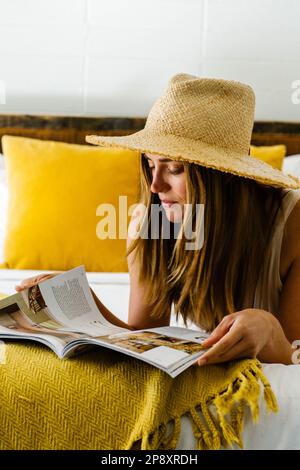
point(219, 421)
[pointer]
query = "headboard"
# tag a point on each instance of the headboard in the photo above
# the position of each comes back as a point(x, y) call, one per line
point(74, 129)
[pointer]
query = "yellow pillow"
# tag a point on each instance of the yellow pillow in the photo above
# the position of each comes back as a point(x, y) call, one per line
point(273, 154)
point(54, 191)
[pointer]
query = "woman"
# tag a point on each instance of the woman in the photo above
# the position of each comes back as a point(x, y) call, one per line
point(243, 283)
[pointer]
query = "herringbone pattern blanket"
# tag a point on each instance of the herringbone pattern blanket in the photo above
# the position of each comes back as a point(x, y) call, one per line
point(105, 400)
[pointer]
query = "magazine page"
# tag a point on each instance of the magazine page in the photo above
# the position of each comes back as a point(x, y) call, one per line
point(61, 308)
point(171, 349)
point(67, 298)
point(18, 321)
point(61, 312)
point(54, 341)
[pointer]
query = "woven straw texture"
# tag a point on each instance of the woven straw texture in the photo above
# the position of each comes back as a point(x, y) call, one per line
point(105, 400)
point(204, 121)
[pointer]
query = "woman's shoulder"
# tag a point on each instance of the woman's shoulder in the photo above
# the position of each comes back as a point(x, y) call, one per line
point(291, 238)
point(293, 226)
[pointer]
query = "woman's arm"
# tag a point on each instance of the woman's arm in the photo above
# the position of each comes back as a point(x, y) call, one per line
point(287, 324)
point(246, 334)
point(288, 329)
point(108, 315)
point(278, 349)
point(139, 313)
point(289, 305)
point(257, 333)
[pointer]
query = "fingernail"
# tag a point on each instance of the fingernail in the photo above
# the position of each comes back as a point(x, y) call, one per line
point(208, 339)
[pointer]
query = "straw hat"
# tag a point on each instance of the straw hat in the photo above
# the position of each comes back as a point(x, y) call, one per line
point(205, 121)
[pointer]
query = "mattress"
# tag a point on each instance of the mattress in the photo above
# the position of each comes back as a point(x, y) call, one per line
point(273, 431)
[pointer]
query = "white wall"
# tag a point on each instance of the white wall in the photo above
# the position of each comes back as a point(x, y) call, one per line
point(115, 57)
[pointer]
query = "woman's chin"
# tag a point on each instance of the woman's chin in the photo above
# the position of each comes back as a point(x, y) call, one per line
point(174, 215)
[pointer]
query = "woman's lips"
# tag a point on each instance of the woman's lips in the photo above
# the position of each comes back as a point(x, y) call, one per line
point(167, 203)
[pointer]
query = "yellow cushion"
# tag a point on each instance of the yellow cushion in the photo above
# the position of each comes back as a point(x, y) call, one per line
point(272, 154)
point(54, 191)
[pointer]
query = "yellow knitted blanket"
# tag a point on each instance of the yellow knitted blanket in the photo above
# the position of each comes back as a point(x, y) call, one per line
point(105, 400)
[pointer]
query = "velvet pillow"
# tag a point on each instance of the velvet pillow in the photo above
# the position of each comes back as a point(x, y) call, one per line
point(54, 205)
point(272, 154)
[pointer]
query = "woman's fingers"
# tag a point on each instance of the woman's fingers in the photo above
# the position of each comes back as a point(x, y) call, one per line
point(32, 281)
point(238, 350)
point(18, 288)
point(248, 332)
point(26, 283)
point(221, 349)
point(220, 331)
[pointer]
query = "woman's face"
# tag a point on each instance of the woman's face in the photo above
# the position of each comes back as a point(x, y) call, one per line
point(169, 182)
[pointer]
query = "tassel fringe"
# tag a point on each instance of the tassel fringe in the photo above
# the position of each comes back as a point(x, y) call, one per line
point(219, 421)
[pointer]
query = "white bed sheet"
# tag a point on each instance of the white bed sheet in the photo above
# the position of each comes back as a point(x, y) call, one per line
point(273, 431)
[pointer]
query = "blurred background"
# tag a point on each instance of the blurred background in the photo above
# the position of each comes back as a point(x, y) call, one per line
point(115, 57)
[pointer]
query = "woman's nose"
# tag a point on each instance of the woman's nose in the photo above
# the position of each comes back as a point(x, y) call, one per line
point(158, 184)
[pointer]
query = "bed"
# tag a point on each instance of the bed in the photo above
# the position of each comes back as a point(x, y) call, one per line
point(274, 431)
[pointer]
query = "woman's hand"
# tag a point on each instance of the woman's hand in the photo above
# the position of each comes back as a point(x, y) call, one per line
point(248, 333)
point(32, 281)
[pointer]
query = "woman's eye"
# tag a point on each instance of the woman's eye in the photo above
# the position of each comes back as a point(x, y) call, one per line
point(175, 171)
point(172, 171)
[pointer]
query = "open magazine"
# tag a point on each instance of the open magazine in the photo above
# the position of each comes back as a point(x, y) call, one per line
point(62, 314)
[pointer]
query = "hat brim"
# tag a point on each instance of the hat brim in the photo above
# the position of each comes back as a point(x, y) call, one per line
point(201, 153)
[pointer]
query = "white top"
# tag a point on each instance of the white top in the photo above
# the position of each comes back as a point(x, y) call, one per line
point(269, 285)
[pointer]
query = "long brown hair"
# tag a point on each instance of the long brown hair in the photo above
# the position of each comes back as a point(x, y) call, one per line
point(207, 284)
